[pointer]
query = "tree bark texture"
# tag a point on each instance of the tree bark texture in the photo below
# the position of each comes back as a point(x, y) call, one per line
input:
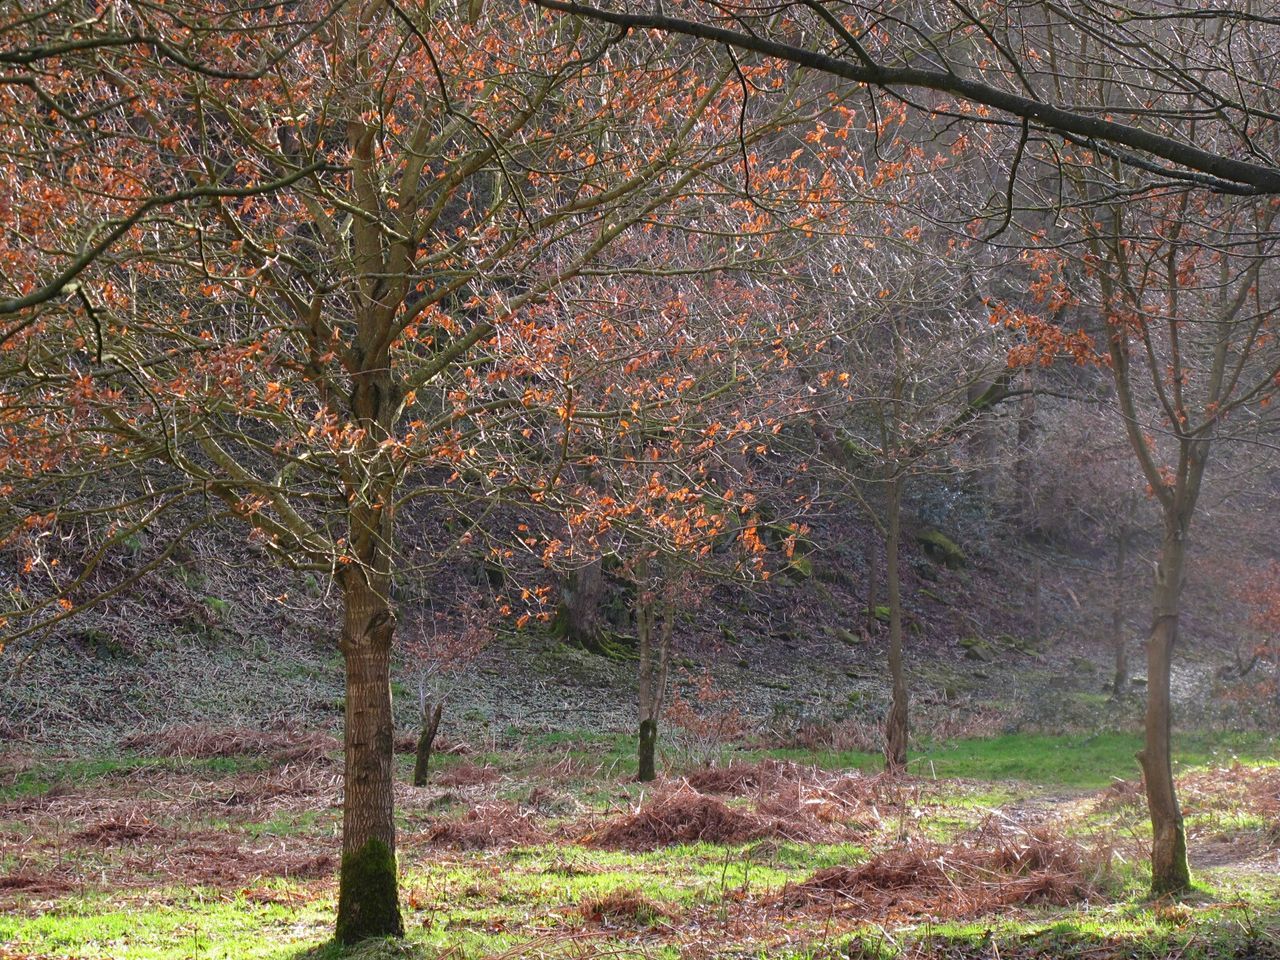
point(368, 903)
point(1170, 872)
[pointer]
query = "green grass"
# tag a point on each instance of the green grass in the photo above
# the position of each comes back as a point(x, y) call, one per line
point(180, 924)
point(1082, 761)
point(78, 772)
point(1085, 761)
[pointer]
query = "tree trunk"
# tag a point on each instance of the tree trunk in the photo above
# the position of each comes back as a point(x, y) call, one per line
point(368, 903)
point(581, 594)
point(1037, 598)
point(648, 768)
point(896, 726)
point(873, 585)
point(1121, 679)
point(426, 738)
point(983, 443)
point(1169, 870)
point(1275, 657)
point(654, 641)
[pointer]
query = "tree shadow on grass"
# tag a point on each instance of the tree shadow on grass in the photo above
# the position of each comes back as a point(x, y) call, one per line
point(388, 949)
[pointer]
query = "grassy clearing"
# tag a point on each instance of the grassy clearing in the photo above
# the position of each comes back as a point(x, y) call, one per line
point(1085, 761)
point(149, 858)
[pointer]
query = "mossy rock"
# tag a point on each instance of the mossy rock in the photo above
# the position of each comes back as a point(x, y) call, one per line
point(777, 535)
point(882, 613)
point(800, 567)
point(940, 548)
point(845, 636)
point(975, 648)
point(1083, 665)
point(1020, 644)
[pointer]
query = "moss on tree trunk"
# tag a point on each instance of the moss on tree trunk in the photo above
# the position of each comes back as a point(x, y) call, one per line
point(368, 905)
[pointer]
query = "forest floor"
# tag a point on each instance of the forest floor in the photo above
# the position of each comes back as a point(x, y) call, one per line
point(204, 842)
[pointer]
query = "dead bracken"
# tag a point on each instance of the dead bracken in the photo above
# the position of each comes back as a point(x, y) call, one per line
point(624, 906)
point(997, 868)
point(684, 815)
point(486, 826)
point(201, 742)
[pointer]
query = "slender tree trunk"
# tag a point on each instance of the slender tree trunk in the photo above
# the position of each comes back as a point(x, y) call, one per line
point(654, 641)
point(368, 904)
point(1169, 870)
point(1275, 656)
point(426, 739)
point(1028, 515)
point(896, 723)
point(1037, 598)
point(873, 584)
point(1118, 642)
point(648, 768)
point(983, 442)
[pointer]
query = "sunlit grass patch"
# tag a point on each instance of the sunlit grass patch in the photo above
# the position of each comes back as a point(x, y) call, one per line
point(170, 925)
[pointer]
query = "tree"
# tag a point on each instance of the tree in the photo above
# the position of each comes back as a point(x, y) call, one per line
point(1178, 285)
point(1188, 348)
point(659, 498)
point(909, 363)
point(916, 357)
point(286, 357)
point(434, 657)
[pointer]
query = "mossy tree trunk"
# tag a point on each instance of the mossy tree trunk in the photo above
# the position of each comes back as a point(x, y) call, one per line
point(368, 901)
point(648, 764)
point(1170, 872)
point(368, 904)
point(896, 728)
